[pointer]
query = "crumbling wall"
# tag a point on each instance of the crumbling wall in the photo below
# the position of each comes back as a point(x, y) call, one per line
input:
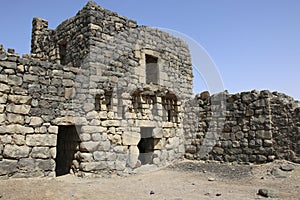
point(32, 94)
point(256, 127)
point(89, 74)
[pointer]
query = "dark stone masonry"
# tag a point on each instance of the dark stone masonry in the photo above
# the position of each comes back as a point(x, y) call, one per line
point(101, 95)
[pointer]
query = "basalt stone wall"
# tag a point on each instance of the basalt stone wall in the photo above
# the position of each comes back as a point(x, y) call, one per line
point(32, 94)
point(119, 87)
point(253, 127)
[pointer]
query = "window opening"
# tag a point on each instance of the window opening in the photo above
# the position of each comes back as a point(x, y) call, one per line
point(152, 71)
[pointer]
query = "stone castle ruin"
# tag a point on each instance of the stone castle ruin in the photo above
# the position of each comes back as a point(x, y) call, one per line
point(101, 95)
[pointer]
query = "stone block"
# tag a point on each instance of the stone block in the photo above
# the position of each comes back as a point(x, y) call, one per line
point(70, 93)
point(18, 109)
point(133, 156)
point(14, 151)
point(40, 152)
point(8, 167)
point(89, 146)
point(264, 134)
point(36, 121)
point(88, 107)
point(2, 118)
point(14, 80)
point(93, 166)
point(268, 143)
point(15, 118)
point(104, 146)
point(132, 138)
point(16, 129)
point(108, 123)
point(18, 139)
point(19, 99)
point(84, 137)
point(93, 129)
point(2, 106)
point(26, 164)
point(45, 165)
point(48, 140)
point(84, 157)
point(53, 129)
point(120, 165)
point(158, 133)
point(99, 155)
point(4, 88)
point(3, 98)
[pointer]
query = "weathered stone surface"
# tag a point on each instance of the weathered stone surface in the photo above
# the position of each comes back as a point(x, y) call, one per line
point(19, 99)
point(53, 129)
point(131, 138)
point(47, 140)
point(40, 152)
point(4, 88)
point(110, 123)
point(3, 98)
point(286, 167)
point(36, 121)
point(15, 118)
point(2, 118)
point(93, 166)
point(16, 129)
point(267, 193)
point(89, 146)
point(99, 155)
point(18, 139)
point(45, 165)
point(133, 156)
point(93, 129)
point(8, 167)
point(84, 157)
point(18, 109)
point(14, 151)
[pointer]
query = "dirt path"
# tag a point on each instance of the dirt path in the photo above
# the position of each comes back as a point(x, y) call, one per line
point(185, 180)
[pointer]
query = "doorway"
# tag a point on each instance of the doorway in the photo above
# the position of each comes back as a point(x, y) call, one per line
point(67, 143)
point(146, 145)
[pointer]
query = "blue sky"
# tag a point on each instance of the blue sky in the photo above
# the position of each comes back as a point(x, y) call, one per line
point(255, 44)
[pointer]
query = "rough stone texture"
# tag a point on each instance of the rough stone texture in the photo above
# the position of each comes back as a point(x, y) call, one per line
point(253, 127)
point(125, 93)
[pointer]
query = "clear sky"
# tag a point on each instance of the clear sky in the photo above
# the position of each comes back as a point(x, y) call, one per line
point(255, 44)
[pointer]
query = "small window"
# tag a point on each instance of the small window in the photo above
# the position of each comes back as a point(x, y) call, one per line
point(98, 102)
point(63, 52)
point(152, 70)
point(103, 101)
point(108, 99)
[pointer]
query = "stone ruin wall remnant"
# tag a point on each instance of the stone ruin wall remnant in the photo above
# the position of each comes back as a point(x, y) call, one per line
point(100, 95)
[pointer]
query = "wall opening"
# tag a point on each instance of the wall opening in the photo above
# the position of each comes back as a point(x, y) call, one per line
point(146, 145)
point(170, 111)
point(67, 145)
point(62, 52)
point(103, 102)
point(152, 69)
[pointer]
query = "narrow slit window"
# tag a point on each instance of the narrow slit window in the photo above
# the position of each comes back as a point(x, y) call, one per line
point(98, 102)
point(63, 52)
point(152, 71)
point(108, 99)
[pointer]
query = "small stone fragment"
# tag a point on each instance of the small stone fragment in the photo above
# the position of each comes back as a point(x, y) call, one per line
point(286, 167)
point(211, 179)
point(266, 193)
point(152, 192)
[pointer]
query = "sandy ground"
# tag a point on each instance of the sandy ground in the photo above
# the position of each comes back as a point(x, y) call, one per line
point(183, 180)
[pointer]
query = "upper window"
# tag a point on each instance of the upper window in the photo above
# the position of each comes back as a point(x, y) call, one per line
point(63, 52)
point(152, 70)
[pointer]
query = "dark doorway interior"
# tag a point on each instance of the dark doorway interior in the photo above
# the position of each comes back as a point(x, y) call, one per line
point(67, 142)
point(146, 145)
